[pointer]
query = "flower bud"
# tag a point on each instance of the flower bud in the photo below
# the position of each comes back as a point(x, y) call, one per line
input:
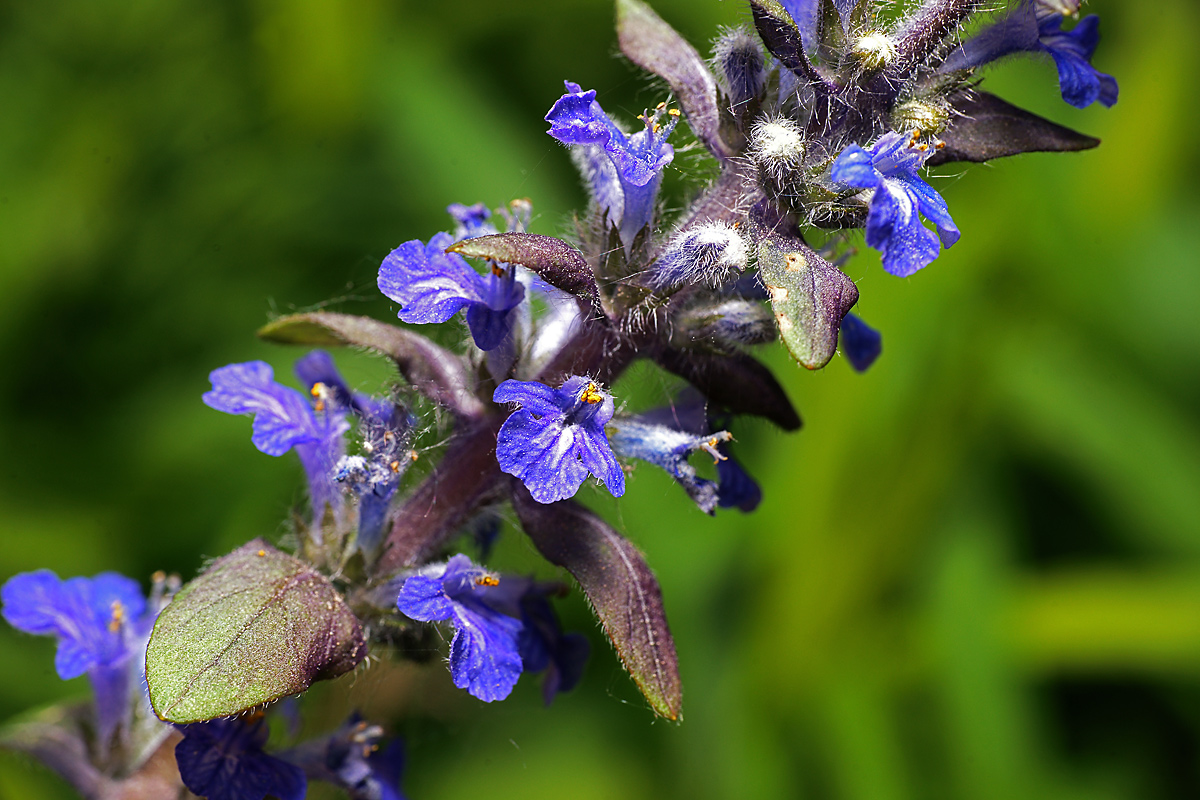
point(928, 117)
point(710, 254)
point(874, 50)
point(740, 66)
point(777, 147)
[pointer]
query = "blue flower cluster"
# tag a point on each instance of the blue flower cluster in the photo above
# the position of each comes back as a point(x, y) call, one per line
point(102, 624)
point(821, 118)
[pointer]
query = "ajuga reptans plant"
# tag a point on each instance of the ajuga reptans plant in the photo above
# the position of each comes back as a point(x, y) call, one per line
point(820, 120)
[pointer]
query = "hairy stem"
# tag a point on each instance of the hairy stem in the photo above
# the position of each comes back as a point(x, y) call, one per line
point(921, 33)
point(465, 478)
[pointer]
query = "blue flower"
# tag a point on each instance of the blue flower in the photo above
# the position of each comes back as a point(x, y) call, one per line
point(557, 437)
point(353, 759)
point(484, 654)
point(101, 624)
point(284, 420)
point(432, 285)
point(669, 448)
point(1031, 27)
point(861, 343)
point(624, 171)
point(385, 429)
point(1081, 83)
point(893, 227)
point(223, 760)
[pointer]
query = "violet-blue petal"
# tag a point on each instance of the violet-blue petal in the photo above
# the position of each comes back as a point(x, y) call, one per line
point(223, 760)
point(933, 207)
point(895, 230)
point(861, 343)
point(853, 167)
point(1081, 84)
point(430, 284)
point(484, 657)
point(542, 453)
point(557, 437)
point(423, 598)
point(90, 617)
point(282, 416)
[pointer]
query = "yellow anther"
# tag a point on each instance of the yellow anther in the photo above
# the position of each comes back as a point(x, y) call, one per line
point(939, 144)
point(656, 127)
point(319, 392)
point(922, 147)
point(487, 580)
point(497, 270)
point(591, 395)
point(661, 105)
point(262, 553)
point(674, 112)
point(395, 466)
point(412, 455)
point(118, 616)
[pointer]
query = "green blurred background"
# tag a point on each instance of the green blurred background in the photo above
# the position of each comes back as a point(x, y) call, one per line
point(976, 571)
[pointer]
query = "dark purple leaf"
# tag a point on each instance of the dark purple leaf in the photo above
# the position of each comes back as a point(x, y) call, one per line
point(432, 370)
point(993, 128)
point(781, 36)
point(556, 262)
point(256, 626)
point(620, 586)
point(736, 382)
point(809, 295)
point(655, 46)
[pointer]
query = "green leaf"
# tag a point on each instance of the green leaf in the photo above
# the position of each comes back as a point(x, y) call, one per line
point(620, 586)
point(256, 626)
point(809, 295)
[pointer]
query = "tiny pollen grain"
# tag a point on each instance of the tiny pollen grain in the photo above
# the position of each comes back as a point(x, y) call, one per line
point(262, 553)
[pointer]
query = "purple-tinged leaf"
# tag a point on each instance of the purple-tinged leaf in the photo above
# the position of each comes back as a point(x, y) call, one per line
point(556, 262)
point(809, 295)
point(655, 46)
point(737, 382)
point(432, 370)
point(993, 128)
point(256, 626)
point(620, 586)
point(465, 478)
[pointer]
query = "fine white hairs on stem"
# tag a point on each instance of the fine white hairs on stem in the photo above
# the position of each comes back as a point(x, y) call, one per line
point(777, 147)
point(710, 254)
